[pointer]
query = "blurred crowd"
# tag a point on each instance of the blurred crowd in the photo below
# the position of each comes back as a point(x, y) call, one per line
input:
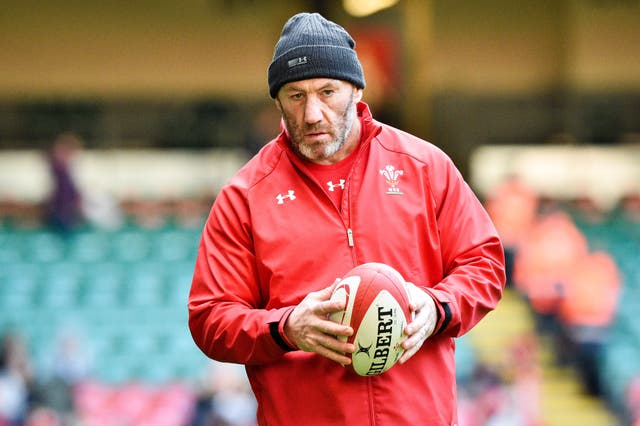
point(505, 393)
point(559, 260)
point(66, 394)
point(572, 285)
point(573, 291)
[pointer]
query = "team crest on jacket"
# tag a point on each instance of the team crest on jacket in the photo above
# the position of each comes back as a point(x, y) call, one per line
point(392, 177)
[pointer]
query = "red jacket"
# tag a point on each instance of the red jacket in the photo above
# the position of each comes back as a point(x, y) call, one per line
point(274, 235)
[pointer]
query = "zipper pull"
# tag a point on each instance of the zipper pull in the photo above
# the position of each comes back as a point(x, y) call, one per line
point(350, 237)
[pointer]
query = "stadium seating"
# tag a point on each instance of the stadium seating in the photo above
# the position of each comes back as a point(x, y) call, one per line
point(123, 290)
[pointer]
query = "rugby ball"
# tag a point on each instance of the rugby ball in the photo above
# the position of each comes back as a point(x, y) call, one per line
point(377, 308)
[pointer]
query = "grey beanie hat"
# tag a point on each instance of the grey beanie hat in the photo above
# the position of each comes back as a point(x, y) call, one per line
point(311, 46)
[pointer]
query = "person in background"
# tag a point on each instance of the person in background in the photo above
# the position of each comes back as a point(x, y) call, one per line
point(224, 397)
point(335, 189)
point(542, 265)
point(512, 206)
point(68, 365)
point(587, 312)
point(64, 206)
point(16, 380)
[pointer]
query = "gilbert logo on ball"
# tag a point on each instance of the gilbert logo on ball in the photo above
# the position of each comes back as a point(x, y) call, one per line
point(377, 308)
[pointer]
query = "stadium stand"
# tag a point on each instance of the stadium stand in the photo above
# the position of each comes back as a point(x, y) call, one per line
point(120, 292)
point(124, 276)
point(123, 292)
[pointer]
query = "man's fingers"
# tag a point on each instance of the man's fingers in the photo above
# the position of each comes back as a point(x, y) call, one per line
point(408, 354)
point(334, 356)
point(329, 347)
point(411, 345)
point(330, 306)
point(334, 344)
point(325, 305)
point(415, 339)
point(338, 330)
point(423, 323)
point(326, 292)
point(310, 329)
point(414, 326)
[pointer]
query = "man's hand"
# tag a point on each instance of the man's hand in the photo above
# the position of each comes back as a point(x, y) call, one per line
point(423, 324)
point(310, 329)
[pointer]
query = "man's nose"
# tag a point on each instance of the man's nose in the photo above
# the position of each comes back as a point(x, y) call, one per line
point(312, 111)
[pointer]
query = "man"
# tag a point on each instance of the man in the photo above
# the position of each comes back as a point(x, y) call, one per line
point(334, 190)
point(64, 205)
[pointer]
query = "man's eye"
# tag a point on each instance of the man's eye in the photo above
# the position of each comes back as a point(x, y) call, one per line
point(296, 96)
point(328, 92)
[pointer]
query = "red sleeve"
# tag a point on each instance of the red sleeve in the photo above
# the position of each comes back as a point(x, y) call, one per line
point(226, 315)
point(472, 254)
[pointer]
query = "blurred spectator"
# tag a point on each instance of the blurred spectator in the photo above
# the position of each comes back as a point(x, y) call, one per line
point(526, 378)
point(513, 207)
point(505, 395)
point(587, 211)
point(70, 364)
point(43, 416)
point(147, 213)
point(225, 397)
point(543, 264)
point(586, 312)
point(630, 205)
point(64, 206)
point(16, 380)
point(191, 212)
point(493, 404)
point(505, 392)
point(102, 210)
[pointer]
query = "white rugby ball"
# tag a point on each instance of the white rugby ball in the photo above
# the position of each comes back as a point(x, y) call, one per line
point(377, 308)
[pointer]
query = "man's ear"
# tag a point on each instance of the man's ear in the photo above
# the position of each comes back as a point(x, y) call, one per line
point(278, 104)
point(358, 95)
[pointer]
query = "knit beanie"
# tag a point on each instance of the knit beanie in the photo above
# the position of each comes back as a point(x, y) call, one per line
point(311, 46)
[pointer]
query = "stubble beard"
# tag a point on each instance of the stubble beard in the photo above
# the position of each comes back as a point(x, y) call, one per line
point(322, 150)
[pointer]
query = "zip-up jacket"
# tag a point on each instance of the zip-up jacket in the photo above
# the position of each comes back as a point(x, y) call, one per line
point(274, 235)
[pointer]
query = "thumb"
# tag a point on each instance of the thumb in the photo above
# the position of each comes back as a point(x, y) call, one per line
point(325, 293)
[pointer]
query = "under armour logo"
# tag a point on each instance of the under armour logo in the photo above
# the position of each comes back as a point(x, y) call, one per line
point(289, 195)
point(297, 61)
point(332, 186)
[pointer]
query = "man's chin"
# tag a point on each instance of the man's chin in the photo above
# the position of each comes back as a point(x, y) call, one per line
point(318, 151)
point(313, 156)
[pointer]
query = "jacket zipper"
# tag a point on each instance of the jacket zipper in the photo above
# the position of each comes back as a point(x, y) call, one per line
point(372, 410)
point(350, 237)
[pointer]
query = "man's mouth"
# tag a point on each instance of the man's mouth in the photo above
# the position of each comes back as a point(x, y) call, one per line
point(315, 135)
